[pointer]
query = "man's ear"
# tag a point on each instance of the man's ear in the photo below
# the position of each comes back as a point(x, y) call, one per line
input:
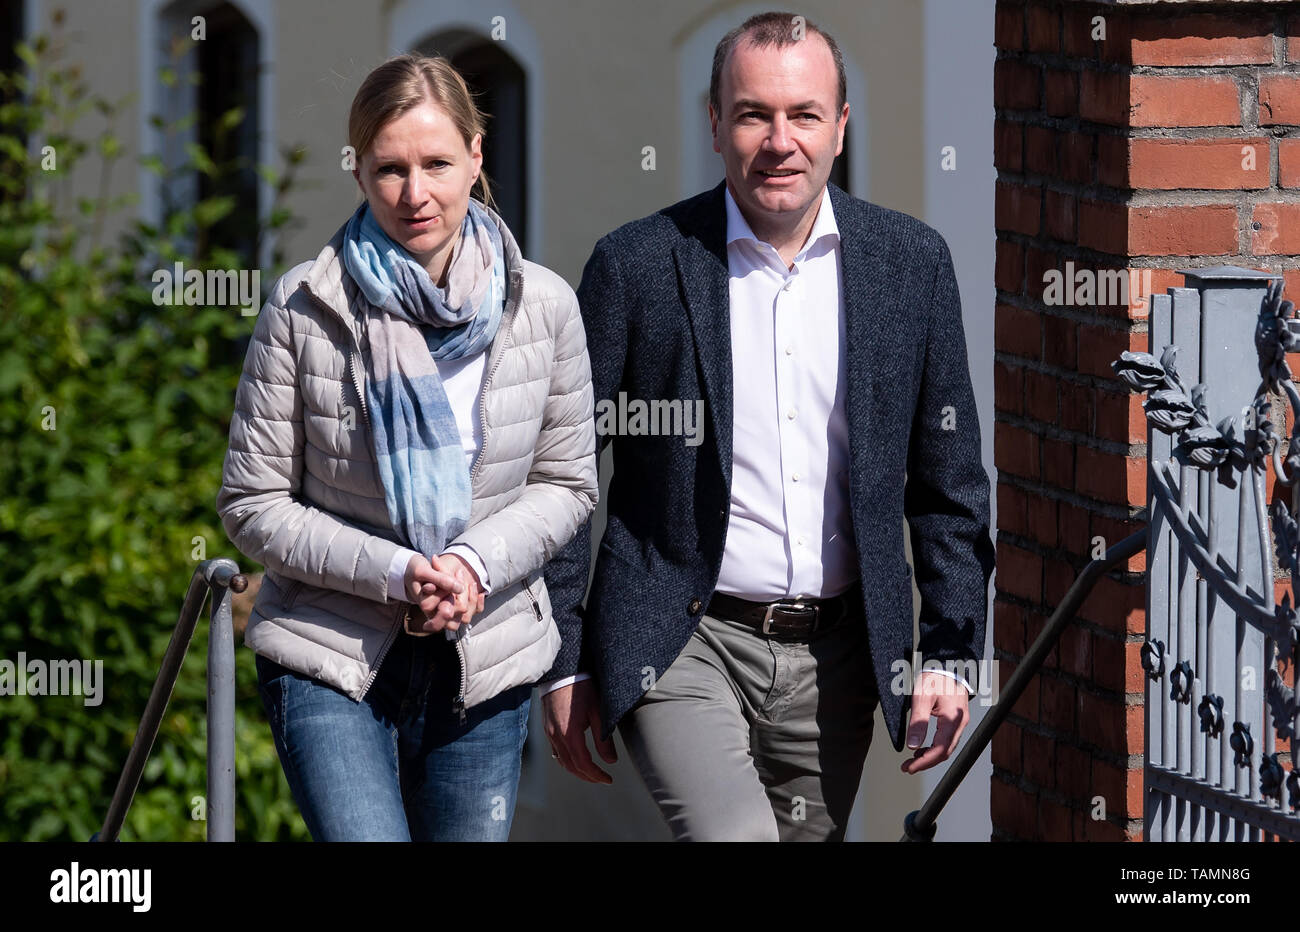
point(842, 128)
point(713, 128)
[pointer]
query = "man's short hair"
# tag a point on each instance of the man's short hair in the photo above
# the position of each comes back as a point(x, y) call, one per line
point(772, 28)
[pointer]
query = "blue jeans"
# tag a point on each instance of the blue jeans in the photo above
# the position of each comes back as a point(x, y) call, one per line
point(399, 765)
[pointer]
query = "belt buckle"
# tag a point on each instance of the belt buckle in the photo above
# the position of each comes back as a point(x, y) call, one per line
point(795, 606)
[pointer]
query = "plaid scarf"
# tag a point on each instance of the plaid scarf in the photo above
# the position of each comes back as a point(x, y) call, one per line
point(411, 323)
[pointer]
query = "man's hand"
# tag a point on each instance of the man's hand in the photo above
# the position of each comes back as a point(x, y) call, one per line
point(568, 712)
point(435, 588)
point(945, 699)
point(470, 600)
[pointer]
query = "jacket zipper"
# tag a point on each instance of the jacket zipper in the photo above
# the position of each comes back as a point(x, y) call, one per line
point(458, 704)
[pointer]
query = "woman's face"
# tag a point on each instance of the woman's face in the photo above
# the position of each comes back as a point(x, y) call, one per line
point(417, 177)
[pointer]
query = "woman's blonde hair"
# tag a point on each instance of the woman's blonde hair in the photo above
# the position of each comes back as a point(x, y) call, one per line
point(404, 83)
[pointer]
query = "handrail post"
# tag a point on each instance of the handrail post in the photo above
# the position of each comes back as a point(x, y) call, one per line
point(221, 703)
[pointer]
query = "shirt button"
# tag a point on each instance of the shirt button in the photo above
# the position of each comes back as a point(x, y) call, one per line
point(789, 350)
point(794, 477)
point(695, 606)
point(790, 414)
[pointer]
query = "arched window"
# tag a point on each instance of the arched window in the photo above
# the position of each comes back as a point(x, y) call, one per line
point(227, 68)
point(499, 87)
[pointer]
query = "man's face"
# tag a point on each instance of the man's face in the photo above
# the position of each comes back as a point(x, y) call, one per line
point(778, 131)
point(417, 177)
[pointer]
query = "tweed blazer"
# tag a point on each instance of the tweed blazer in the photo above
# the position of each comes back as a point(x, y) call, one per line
point(301, 491)
point(655, 304)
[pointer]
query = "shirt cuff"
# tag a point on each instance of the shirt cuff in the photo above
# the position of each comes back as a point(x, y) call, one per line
point(470, 556)
point(544, 688)
point(958, 678)
point(397, 574)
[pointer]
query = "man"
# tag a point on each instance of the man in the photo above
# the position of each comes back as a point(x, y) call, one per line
point(751, 599)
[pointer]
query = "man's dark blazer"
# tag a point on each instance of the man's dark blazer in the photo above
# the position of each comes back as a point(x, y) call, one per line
point(655, 304)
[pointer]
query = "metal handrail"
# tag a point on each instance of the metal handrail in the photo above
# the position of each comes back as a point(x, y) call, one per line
point(921, 824)
point(220, 576)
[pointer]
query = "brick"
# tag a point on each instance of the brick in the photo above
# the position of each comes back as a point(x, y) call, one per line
point(1042, 520)
point(1009, 271)
point(1074, 527)
point(1103, 97)
point(1041, 396)
point(1056, 703)
point(1077, 33)
point(1059, 575)
point(1076, 407)
point(1008, 623)
point(1039, 262)
point(1016, 85)
point(1274, 231)
point(1044, 29)
point(1017, 331)
point(1008, 145)
point(1113, 531)
point(1182, 231)
point(1017, 208)
point(1194, 39)
point(1035, 622)
point(1055, 822)
point(1040, 150)
point(1020, 572)
point(1026, 704)
point(1075, 650)
point(1158, 100)
point(1293, 38)
point(1103, 226)
point(1006, 752)
point(1008, 387)
point(1061, 215)
point(1112, 161)
point(1009, 26)
point(1012, 811)
point(1108, 662)
point(1119, 786)
point(1102, 724)
point(1060, 346)
point(1058, 463)
point(1279, 100)
point(1288, 163)
point(1099, 346)
point(1073, 771)
point(1211, 164)
point(1077, 157)
point(1111, 477)
point(1118, 607)
point(1039, 760)
point(1157, 282)
point(1061, 92)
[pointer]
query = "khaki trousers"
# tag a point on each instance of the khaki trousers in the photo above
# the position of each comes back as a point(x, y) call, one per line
point(746, 738)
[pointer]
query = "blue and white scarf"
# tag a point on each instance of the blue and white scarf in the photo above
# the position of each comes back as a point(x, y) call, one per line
point(411, 323)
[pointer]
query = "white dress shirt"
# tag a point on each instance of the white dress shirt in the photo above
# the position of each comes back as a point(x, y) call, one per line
point(462, 380)
point(790, 525)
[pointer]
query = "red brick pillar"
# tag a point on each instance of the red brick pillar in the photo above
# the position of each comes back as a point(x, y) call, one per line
point(1135, 137)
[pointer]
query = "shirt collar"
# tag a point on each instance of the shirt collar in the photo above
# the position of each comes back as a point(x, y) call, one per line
point(738, 229)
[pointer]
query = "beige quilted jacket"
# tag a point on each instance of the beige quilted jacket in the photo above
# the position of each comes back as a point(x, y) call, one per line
point(301, 492)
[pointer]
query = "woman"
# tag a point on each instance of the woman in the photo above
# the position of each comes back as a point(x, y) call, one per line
point(412, 441)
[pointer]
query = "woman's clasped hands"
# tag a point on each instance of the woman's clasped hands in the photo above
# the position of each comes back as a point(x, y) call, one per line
point(446, 590)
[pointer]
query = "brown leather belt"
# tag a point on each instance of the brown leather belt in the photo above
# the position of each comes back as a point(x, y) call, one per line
point(788, 619)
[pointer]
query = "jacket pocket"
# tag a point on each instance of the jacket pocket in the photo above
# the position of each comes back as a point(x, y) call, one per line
point(532, 599)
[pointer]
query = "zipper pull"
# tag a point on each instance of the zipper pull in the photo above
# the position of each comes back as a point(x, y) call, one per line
point(458, 706)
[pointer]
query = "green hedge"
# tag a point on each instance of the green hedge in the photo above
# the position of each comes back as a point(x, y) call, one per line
point(100, 514)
